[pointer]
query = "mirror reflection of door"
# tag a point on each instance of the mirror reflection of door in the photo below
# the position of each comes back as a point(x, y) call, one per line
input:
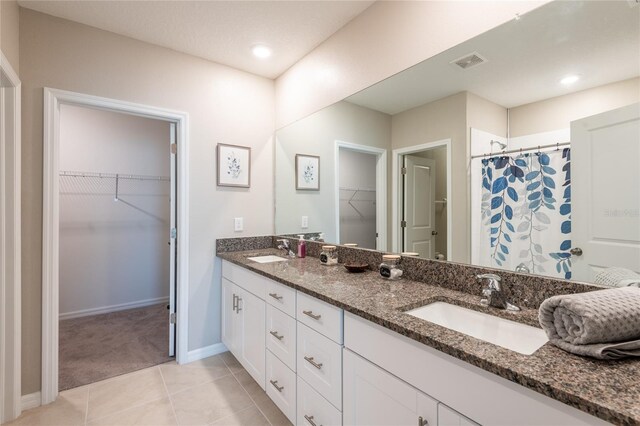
point(419, 205)
point(357, 207)
point(606, 199)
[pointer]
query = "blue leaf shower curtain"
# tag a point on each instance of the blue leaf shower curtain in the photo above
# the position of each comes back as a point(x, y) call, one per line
point(526, 213)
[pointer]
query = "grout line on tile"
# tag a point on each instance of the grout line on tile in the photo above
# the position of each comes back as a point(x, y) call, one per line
point(217, 422)
point(173, 410)
point(86, 405)
point(251, 398)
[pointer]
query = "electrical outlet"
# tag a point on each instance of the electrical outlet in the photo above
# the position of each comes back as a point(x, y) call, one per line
point(305, 222)
point(238, 224)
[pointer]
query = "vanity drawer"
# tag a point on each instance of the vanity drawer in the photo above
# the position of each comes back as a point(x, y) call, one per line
point(312, 407)
point(282, 297)
point(319, 362)
point(281, 386)
point(281, 336)
point(326, 319)
point(244, 278)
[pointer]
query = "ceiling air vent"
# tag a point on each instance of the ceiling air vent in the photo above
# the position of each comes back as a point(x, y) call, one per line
point(468, 61)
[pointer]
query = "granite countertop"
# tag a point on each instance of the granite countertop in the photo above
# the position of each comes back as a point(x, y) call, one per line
point(609, 390)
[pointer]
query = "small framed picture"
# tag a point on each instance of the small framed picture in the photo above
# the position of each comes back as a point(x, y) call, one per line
point(234, 165)
point(307, 172)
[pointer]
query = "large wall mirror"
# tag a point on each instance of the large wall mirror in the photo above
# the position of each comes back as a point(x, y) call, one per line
point(518, 149)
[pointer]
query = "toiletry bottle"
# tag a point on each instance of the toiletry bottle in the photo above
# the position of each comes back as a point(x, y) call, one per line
point(302, 247)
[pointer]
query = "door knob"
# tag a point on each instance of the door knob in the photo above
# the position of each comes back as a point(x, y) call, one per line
point(434, 232)
point(576, 251)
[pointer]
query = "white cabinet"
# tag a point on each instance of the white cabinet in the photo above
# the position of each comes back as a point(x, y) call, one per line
point(313, 409)
point(251, 312)
point(324, 318)
point(243, 322)
point(281, 336)
point(230, 334)
point(449, 417)
point(320, 364)
point(374, 397)
point(281, 386)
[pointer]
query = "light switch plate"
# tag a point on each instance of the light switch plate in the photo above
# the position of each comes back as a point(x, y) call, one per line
point(238, 224)
point(305, 222)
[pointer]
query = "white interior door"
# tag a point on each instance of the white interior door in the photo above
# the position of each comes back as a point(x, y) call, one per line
point(605, 151)
point(419, 206)
point(172, 245)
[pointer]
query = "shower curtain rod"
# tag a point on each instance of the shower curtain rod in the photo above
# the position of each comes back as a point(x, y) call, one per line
point(511, 151)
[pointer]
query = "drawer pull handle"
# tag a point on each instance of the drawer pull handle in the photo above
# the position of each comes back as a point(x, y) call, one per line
point(275, 296)
point(422, 421)
point(275, 385)
point(312, 315)
point(310, 420)
point(310, 360)
point(275, 334)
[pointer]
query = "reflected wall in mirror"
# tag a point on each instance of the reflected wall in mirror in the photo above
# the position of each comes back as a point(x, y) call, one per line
point(487, 153)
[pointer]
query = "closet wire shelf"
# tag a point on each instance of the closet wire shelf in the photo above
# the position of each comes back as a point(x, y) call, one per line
point(114, 184)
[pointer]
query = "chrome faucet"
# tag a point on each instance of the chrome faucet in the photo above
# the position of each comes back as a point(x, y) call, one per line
point(493, 293)
point(284, 245)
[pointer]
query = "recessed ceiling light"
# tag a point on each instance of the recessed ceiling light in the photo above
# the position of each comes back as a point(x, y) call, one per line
point(261, 51)
point(570, 79)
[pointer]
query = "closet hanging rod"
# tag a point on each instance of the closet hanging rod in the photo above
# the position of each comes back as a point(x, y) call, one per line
point(511, 151)
point(113, 176)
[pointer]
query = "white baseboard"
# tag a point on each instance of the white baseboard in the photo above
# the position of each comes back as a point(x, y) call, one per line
point(32, 400)
point(113, 308)
point(206, 352)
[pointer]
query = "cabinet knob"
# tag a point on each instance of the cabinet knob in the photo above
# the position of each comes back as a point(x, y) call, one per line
point(310, 360)
point(274, 383)
point(276, 335)
point(310, 420)
point(312, 315)
point(422, 421)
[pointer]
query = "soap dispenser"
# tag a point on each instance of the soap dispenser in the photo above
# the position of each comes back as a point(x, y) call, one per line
point(302, 247)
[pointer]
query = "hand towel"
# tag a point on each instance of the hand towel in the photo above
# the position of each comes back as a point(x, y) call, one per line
point(617, 277)
point(602, 324)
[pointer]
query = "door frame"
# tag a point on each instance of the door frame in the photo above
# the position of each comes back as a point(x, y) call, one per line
point(396, 189)
point(53, 98)
point(10, 248)
point(381, 188)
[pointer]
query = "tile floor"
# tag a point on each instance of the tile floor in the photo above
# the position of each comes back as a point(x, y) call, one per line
point(213, 391)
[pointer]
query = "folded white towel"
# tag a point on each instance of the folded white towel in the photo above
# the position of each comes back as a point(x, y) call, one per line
point(602, 324)
point(617, 277)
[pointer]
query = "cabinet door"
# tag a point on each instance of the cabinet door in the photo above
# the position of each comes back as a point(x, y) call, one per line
point(449, 417)
point(252, 335)
point(229, 331)
point(372, 396)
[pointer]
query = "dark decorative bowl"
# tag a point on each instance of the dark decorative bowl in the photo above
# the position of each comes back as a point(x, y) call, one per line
point(356, 267)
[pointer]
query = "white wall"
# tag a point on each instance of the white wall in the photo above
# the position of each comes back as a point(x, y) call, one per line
point(9, 32)
point(385, 39)
point(112, 253)
point(557, 113)
point(224, 105)
point(316, 135)
point(358, 218)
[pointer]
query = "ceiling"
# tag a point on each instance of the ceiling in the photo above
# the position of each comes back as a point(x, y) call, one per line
point(526, 58)
point(220, 31)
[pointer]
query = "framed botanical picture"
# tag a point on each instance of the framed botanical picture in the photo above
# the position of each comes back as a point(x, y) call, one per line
point(234, 165)
point(307, 172)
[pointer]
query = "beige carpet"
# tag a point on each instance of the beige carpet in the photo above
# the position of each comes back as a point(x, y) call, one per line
point(102, 346)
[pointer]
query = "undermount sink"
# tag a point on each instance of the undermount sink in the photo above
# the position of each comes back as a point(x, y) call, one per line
point(511, 335)
point(267, 259)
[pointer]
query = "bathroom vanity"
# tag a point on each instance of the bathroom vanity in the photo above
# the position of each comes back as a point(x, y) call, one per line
point(330, 347)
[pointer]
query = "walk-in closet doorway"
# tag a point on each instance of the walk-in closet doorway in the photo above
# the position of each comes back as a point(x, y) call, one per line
point(114, 239)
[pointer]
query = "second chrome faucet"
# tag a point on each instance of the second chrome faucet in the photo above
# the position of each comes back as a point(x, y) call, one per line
point(493, 293)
